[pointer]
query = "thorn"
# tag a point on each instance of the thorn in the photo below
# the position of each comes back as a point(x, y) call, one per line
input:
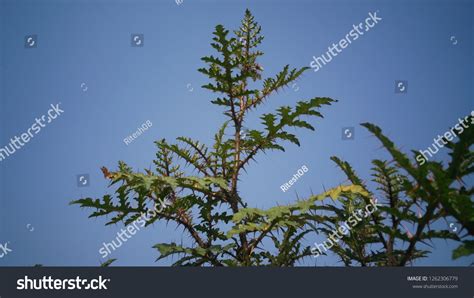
point(408, 232)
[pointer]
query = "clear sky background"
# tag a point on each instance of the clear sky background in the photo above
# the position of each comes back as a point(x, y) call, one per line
point(427, 43)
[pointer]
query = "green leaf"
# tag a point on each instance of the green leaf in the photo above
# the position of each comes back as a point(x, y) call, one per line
point(465, 249)
point(108, 263)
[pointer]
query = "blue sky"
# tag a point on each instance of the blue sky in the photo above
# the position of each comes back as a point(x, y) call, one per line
point(87, 43)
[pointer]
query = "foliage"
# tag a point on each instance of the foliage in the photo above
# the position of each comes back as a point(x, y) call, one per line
point(108, 263)
point(414, 197)
point(201, 182)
